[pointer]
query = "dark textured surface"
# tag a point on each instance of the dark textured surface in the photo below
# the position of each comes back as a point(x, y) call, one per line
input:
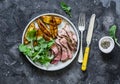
point(16, 69)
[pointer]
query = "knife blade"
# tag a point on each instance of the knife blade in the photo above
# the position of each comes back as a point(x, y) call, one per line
point(88, 40)
point(90, 29)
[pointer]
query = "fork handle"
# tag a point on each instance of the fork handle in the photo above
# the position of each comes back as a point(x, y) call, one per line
point(80, 56)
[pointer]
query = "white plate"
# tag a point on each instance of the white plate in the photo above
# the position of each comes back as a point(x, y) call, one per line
point(60, 65)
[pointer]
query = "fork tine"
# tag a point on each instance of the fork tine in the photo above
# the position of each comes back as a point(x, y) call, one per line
point(79, 22)
point(81, 19)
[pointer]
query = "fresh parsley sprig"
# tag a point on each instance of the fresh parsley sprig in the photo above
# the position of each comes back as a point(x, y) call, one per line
point(66, 8)
point(112, 33)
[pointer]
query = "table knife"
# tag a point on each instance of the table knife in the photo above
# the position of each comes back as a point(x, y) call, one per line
point(88, 40)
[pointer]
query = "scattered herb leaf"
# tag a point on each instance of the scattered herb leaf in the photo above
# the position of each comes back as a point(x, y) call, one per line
point(66, 8)
point(112, 33)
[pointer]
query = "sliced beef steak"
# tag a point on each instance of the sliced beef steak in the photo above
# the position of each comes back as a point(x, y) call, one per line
point(64, 42)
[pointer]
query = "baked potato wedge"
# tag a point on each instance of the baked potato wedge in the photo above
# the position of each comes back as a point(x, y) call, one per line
point(47, 19)
point(43, 27)
point(52, 31)
point(30, 27)
point(40, 33)
point(58, 20)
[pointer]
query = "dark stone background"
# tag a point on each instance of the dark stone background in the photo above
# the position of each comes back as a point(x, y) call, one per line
point(16, 69)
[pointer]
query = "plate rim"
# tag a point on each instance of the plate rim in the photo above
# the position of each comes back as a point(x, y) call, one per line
point(73, 26)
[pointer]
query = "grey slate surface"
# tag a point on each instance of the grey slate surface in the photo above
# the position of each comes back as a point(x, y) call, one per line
point(16, 69)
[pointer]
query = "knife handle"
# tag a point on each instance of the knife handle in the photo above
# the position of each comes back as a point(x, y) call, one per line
point(85, 59)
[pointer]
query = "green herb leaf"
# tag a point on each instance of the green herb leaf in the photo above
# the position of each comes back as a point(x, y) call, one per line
point(45, 59)
point(22, 48)
point(25, 50)
point(44, 46)
point(39, 53)
point(37, 48)
point(66, 8)
point(112, 33)
point(31, 35)
point(50, 43)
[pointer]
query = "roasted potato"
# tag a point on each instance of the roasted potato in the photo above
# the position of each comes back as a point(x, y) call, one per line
point(47, 19)
point(58, 20)
point(55, 26)
point(47, 38)
point(48, 26)
point(52, 30)
point(31, 26)
point(39, 33)
point(43, 27)
point(55, 31)
point(25, 41)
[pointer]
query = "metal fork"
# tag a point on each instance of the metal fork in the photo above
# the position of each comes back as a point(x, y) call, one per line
point(81, 26)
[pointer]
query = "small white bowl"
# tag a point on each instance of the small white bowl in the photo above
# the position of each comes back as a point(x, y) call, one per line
point(111, 44)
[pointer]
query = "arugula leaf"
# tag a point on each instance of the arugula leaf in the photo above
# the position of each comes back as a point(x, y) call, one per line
point(41, 40)
point(66, 8)
point(45, 59)
point(26, 51)
point(112, 33)
point(31, 35)
point(50, 43)
point(22, 48)
point(44, 46)
point(36, 58)
point(39, 53)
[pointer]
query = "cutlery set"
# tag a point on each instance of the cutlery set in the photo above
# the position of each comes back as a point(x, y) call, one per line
point(64, 52)
point(81, 25)
point(67, 53)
